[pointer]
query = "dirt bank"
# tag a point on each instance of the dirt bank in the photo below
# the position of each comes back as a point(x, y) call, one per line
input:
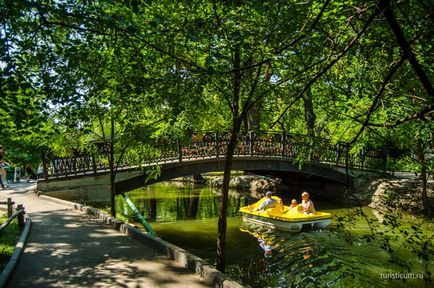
point(401, 194)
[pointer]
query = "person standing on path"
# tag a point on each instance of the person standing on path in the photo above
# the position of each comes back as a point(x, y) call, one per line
point(1, 181)
point(40, 171)
point(2, 169)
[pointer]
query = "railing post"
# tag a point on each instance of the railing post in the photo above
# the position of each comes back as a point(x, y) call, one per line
point(338, 153)
point(74, 164)
point(44, 163)
point(85, 163)
point(93, 163)
point(384, 156)
point(347, 156)
point(217, 145)
point(178, 144)
point(10, 207)
point(251, 143)
point(282, 144)
point(20, 216)
point(139, 215)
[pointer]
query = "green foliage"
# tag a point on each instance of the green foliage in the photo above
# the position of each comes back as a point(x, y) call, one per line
point(403, 239)
point(170, 66)
point(8, 240)
point(137, 73)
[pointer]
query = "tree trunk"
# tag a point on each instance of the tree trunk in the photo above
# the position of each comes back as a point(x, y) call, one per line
point(112, 171)
point(236, 125)
point(309, 114)
point(421, 159)
point(384, 5)
point(222, 223)
point(152, 209)
point(252, 118)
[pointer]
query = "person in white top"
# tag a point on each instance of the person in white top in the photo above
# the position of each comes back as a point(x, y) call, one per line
point(3, 163)
point(268, 203)
point(307, 204)
point(40, 171)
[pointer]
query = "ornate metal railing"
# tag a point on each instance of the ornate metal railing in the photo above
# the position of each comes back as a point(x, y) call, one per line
point(298, 148)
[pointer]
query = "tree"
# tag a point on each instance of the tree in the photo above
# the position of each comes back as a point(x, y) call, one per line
point(80, 65)
point(233, 47)
point(358, 71)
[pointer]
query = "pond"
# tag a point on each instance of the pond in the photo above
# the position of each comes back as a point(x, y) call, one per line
point(187, 216)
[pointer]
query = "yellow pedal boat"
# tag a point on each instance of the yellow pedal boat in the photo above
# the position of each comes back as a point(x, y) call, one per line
point(285, 218)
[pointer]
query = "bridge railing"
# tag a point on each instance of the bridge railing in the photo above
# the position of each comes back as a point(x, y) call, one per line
point(298, 148)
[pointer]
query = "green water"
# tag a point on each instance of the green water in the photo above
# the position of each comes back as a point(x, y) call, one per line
point(187, 216)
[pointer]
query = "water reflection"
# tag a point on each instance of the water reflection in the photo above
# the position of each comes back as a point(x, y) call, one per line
point(289, 260)
point(259, 256)
point(263, 234)
point(172, 203)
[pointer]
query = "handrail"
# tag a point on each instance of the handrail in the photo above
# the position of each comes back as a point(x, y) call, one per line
point(203, 144)
point(9, 220)
point(9, 204)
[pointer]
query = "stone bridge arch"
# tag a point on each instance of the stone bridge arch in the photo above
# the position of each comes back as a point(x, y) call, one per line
point(252, 164)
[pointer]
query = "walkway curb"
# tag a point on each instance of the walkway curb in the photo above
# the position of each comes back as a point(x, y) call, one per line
point(70, 204)
point(18, 251)
point(193, 263)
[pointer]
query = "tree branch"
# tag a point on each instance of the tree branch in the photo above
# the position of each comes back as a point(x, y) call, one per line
point(379, 93)
point(333, 62)
point(422, 115)
point(384, 6)
point(291, 43)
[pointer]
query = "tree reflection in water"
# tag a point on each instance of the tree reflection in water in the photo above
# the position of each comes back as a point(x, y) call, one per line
point(165, 202)
point(187, 217)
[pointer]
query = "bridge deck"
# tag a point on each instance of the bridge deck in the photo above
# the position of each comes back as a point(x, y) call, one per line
point(212, 145)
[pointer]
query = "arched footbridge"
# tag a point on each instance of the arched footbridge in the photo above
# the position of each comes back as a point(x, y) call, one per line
point(261, 153)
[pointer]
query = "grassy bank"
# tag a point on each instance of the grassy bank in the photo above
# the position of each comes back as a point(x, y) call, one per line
point(8, 240)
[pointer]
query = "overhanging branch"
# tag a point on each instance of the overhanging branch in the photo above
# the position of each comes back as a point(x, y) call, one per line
point(377, 97)
point(384, 6)
point(333, 62)
point(290, 44)
point(422, 115)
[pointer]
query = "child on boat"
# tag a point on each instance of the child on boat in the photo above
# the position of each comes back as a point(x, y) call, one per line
point(294, 204)
point(307, 204)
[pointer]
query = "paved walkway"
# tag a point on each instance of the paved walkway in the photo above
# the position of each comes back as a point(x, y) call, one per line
point(68, 249)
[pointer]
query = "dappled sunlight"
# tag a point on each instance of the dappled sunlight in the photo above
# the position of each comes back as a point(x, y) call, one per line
point(72, 225)
point(60, 253)
point(100, 235)
point(66, 248)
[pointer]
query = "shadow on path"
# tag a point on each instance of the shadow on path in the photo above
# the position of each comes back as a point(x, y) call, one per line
point(69, 249)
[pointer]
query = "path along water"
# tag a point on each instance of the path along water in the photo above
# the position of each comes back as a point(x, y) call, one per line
point(68, 249)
